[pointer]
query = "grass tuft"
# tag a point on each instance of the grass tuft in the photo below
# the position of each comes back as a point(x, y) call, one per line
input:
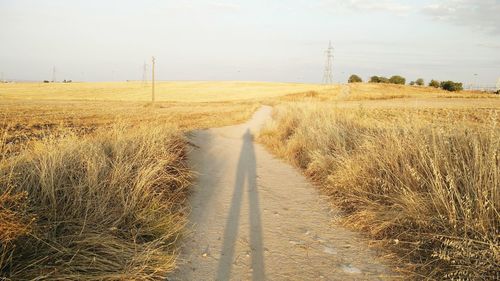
point(107, 207)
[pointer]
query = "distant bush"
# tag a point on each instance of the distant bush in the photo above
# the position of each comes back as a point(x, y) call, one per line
point(378, 79)
point(451, 86)
point(420, 82)
point(396, 79)
point(412, 83)
point(46, 81)
point(354, 79)
point(434, 83)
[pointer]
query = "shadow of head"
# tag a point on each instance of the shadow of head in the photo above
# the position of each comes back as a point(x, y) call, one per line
point(248, 136)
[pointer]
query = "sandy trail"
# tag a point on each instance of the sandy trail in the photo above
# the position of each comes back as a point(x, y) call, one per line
point(256, 218)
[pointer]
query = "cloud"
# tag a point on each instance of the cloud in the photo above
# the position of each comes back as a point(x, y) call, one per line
point(390, 6)
point(489, 46)
point(481, 15)
point(224, 6)
point(369, 5)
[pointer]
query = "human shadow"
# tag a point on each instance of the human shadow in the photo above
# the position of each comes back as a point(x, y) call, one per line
point(245, 174)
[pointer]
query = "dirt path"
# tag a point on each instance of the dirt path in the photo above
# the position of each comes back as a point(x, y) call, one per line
point(256, 218)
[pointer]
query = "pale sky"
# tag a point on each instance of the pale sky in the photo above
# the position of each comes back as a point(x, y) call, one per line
point(258, 40)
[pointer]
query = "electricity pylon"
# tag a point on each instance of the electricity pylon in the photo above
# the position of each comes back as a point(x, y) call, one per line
point(328, 73)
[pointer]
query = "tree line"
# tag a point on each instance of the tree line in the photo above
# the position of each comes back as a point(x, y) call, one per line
point(400, 80)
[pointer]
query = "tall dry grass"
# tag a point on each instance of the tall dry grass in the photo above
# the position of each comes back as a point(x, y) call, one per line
point(102, 207)
point(428, 191)
point(83, 198)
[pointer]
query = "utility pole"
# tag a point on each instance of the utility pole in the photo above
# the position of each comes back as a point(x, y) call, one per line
point(54, 74)
point(145, 75)
point(153, 79)
point(328, 73)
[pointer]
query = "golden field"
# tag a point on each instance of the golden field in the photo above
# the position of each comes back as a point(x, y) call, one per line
point(24, 121)
point(418, 175)
point(165, 91)
point(93, 178)
point(93, 181)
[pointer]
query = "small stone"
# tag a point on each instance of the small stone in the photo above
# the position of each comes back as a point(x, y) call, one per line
point(350, 269)
point(329, 250)
point(206, 252)
point(295, 243)
point(319, 239)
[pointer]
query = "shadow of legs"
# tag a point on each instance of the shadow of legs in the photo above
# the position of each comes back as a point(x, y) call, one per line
point(246, 170)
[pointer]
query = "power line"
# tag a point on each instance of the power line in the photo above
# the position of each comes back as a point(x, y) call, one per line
point(328, 72)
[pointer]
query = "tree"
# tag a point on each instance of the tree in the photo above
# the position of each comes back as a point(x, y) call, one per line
point(412, 83)
point(354, 79)
point(383, 79)
point(451, 86)
point(378, 79)
point(396, 79)
point(434, 83)
point(420, 82)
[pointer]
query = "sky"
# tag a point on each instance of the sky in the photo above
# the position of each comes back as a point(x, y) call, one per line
point(253, 40)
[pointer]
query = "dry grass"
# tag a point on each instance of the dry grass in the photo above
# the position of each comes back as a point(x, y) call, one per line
point(93, 179)
point(106, 207)
point(422, 182)
point(165, 91)
point(368, 92)
point(22, 122)
point(93, 188)
point(12, 225)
